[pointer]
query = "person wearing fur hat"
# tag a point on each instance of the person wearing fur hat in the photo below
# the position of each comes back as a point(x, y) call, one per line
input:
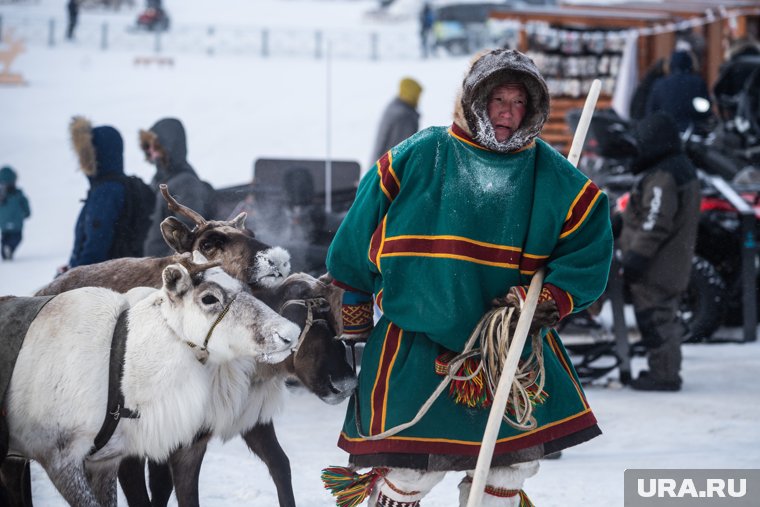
point(165, 146)
point(450, 223)
point(14, 209)
point(100, 151)
point(400, 118)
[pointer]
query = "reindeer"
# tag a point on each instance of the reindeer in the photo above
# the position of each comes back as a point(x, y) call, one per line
point(241, 254)
point(308, 302)
point(319, 362)
point(189, 348)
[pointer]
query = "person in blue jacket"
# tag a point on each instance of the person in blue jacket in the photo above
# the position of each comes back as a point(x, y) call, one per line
point(674, 93)
point(100, 151)
point(14, 209)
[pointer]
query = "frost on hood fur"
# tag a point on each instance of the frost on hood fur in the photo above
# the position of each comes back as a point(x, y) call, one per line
point(494, 68)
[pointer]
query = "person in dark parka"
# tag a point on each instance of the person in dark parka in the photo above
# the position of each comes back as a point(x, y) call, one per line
point(100, 151)
point(165, 146)
point(400, 119)
point(674, 92)
point(657, 241)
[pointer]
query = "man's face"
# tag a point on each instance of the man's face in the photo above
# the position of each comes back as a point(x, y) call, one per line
point(506, 108)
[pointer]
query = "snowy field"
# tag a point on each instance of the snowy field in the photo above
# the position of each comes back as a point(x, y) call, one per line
point(238, 109)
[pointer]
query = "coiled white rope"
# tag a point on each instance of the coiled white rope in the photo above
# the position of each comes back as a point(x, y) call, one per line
point(494, 335)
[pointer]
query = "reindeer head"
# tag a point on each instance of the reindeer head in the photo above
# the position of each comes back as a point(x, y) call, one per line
point(217, 316)
point(240, 253)
point(319, 360)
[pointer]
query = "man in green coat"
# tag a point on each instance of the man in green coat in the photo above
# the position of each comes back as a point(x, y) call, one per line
point(452, 221)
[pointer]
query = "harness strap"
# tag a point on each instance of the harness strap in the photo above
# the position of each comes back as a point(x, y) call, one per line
point(310, 304)
point(115, 409)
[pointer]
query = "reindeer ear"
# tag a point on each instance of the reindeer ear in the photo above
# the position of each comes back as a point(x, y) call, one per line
point(239, 221)
point(176, 280)
point(177, 235)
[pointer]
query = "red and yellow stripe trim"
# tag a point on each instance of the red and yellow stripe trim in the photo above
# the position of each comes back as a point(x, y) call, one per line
point(579, 210)
point(552, 339)
point(379, 397)
point(389, 182)
point(376, 243)
point(452, 247)
point(427, 445)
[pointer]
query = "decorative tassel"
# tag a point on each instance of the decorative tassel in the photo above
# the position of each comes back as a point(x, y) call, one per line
point(349, 488)
point(524, 500)
point(472, 392)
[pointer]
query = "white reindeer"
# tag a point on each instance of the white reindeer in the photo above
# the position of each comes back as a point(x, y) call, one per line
point(58, 394)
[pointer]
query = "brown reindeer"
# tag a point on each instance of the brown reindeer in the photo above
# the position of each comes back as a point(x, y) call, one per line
point(242, 256)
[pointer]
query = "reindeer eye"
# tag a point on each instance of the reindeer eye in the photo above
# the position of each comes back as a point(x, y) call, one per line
point(212, 242)
point(208, 299)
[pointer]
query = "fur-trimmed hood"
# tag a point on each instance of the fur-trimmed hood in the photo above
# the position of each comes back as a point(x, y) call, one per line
point(100, 150)
point(488, 71)
point(169, 135)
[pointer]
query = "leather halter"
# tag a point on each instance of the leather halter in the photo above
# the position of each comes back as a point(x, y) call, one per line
point(309, 304)
point(202, 353)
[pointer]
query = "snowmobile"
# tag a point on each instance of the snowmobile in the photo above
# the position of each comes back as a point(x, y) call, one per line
point(153, 19)
point(713, 297)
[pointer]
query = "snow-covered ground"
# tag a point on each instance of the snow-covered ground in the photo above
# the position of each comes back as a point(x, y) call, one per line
point(238, 109)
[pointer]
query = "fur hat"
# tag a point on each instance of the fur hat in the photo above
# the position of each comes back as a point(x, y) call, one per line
point(409, 91)
point(7, 175)
point(98, 149)
point(495, 68)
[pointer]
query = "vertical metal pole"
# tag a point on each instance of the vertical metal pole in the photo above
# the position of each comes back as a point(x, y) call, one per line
point(51, 32)
point(373, 39)
point(264, 43)
point(749, 276)
point(328, 136)
point(1, 27)
point(318, 44)
point(210, 49)
point(104, 36)
point(619, 328)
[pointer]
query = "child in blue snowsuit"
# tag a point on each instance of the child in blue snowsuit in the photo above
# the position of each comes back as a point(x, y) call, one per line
point(14, 209)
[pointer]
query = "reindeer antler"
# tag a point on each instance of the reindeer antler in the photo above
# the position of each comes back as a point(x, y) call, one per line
point(187, 261)
point(181, 208)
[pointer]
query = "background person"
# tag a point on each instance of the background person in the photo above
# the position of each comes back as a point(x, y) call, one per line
point(657, 242)
point(427, 18)
point(400, 119)
point(14, 209)
point(72, 8)
point(674, 92)
point(100, 151)
point(453, 221)
point(165, 146)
